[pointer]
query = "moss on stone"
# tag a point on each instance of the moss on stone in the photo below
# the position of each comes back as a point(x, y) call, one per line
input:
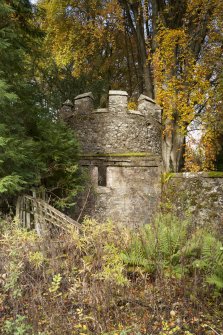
point(215, 174)
point(125, 154)
point(167, 176)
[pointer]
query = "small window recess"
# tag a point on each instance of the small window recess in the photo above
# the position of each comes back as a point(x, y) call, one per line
point(102, 176)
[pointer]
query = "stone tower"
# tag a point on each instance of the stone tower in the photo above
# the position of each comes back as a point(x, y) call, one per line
point(121, 150)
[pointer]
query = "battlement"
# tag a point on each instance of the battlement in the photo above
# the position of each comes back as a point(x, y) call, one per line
point(115, 129)
point(117, 102)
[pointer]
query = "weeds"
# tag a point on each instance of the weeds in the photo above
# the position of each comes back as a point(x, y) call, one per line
point(111, 281)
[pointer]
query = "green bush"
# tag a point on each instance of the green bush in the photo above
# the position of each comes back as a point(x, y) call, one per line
point(18, 326)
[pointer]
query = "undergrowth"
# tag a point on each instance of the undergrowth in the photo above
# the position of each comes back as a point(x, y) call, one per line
point(110, 280)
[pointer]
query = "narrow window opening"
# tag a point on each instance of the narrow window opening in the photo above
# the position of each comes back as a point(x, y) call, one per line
point(102, 176)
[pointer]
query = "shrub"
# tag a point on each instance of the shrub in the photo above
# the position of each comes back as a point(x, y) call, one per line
point(18, 326)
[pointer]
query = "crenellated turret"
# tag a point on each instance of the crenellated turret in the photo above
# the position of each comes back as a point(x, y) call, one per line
point(122, 150)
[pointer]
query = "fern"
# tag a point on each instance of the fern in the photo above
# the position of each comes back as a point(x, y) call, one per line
point(159, 246)
point(169, 245)
point(212, 258)
point(136, 256)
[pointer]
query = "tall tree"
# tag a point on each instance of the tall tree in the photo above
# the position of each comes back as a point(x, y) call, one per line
point(188, 62)
point(35, 149)
point(172, 47)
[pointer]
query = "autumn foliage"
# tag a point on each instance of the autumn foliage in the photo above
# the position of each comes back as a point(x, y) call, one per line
point(171, 51)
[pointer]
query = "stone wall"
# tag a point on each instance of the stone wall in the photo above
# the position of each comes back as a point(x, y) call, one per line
point(200, 195)
point(121, 150)
point(130, 194)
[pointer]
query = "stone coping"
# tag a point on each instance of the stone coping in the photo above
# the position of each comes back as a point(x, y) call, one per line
point(131, 111)
point(68, 103)
point(121, 93)
point(203, 174)
point(144, 97)
point(84, 95)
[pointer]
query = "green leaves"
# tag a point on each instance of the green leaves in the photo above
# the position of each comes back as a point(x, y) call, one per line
point(159, 246)
point(172, 247)
point(56, 282)
point(35, 149)
point(5, 95)
point(18, 326)
point(11, 184)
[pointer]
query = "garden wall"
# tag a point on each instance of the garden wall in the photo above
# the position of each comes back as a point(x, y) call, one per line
point(200, 195)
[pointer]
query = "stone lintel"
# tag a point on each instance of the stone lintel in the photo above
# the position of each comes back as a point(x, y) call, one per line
point(84, 95)
point(121, 163)
point(147, 160)
point(101, 110)
point(120, 93)
point(118, 155)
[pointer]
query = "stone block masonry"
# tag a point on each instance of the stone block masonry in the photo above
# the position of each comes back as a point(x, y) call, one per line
point(121, 150)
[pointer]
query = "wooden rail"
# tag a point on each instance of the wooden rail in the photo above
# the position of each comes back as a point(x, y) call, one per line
point(38, 214)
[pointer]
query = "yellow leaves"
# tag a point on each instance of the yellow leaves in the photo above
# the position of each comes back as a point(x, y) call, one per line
point(36, 258)
point(183, 86)
point(132, 105)
point(193, 157)
point(79, 32)
point(201, 153)
point(210, 150)
point(56, 283)
point(180, 82)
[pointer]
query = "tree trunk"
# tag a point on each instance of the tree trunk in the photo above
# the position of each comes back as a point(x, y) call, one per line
point(173, 147)
point(135, 19)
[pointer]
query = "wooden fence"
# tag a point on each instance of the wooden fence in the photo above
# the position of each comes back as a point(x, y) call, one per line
point(35, 213)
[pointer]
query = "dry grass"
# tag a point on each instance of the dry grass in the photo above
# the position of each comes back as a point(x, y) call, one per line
point(78, 284)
